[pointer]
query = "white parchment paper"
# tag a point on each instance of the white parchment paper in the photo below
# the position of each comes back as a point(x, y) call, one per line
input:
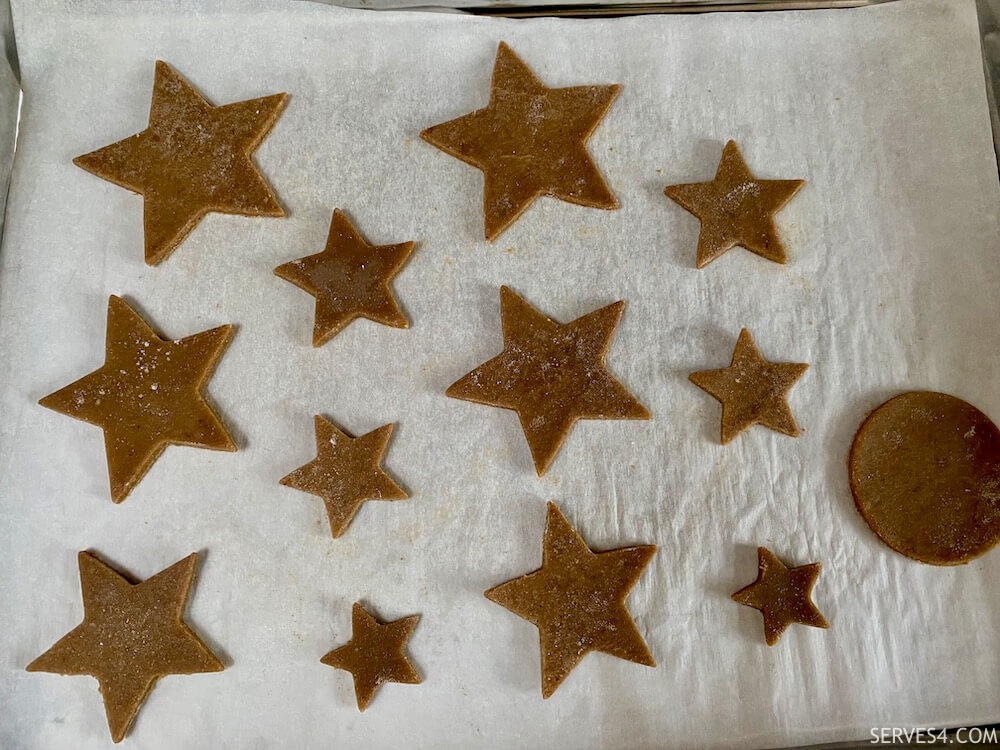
point(892, 284)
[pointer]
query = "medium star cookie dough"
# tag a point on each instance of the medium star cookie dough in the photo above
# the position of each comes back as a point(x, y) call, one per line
point(132, 634)
point(782, 595)
point(349, 279)
point(376, 654)
point(148, 394)
point(736, 209)
point(346, 472)
point(529, 141)
point(551, 374)
point(192, 160)
point(577, 601)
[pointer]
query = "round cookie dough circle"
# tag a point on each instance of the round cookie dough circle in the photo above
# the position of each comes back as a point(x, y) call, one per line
point(925, 475)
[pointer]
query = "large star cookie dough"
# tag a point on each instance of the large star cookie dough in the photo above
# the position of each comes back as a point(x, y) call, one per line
point(529, 141)
point(925, 475)
point(551, 374)
point(346, 472)
point(131, 635)
point(147, 395)
point(752, 390)
point(736, 209)
point(349, 279)
point(376, 654)
point(577, 601)
point(193, 159)
point(781, 595)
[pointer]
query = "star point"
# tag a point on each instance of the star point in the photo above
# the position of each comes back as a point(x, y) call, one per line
point(577, 601)
point(346, 472)
point(192, 159)
point(529, 141)
point(148, 394)
point(550, 374)
point(752, 390)
point(736, 209)
point(350, 278)
point(131, 635)
point(376, 654)
point(782, 595)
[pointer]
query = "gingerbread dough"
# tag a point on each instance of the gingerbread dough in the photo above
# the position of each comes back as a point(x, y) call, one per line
point(529, 141)
point(131, 635)
point(147, 395)
point(925, 474)
point(376, 654)
point(551, 374)
point(577, 601)
point(736, 209)
point(193, 159)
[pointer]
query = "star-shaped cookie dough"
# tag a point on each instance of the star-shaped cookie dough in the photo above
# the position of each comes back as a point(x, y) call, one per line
point(346, 472)
point(193, 159)
point(147, 395)
point(551, 374)
point(736, 209)
point(349, 279)
point(376, 654)
point(752, 390)
point(529, 141)
point(577, 601)
point(131, 635)
point(782, 595)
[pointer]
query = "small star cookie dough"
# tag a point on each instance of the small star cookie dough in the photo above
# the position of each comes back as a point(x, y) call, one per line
point(529, 141)
point(752, 390)
point(577, 601)
point(782, 595)
point(148, 394)
point(925, 474)
point(376, 654)
point(349, 279)
point(192, 159)
point(551, 374)
point(132, 634)
point(736, 209)
point(346, 472)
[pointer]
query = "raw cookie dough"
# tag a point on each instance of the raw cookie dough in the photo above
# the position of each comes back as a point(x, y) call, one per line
point(577, 601)
point(752, 390)
point(349, 279)
point(147, 395)
point(782, 595)
point(346, 472)
point(925, 475)
point(551, 374)
point(736, 209)
point(192, 159)
point(529, 141)
point(131, 635)
point(376, 654)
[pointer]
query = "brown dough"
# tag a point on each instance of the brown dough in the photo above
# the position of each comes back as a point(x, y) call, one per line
point(147, 395)
point(925, 475)
point(131, 635)
point(752, 390)
point(551, 374)
point(529, 141)
point(193, 159)
point(577, 601)
point(781, 594)
point(346, 472)
point(349, 279)
point(736, 209)
point(376, 654)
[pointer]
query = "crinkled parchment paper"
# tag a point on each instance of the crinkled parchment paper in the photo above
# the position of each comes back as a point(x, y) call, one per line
point(892, 284)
